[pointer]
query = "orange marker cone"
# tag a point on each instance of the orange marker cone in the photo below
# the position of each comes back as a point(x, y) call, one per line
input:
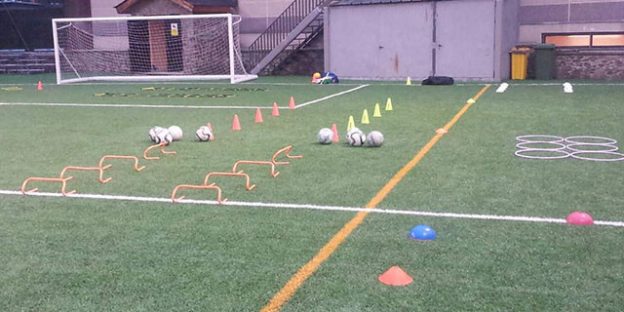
point(259, 115)
point(39, 85)
point(395, 276)
point(291, 103)
point(335, 137)
point(275, 112)
point(236, 123)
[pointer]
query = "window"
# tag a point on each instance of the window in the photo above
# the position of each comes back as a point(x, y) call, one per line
point(608, 40)
point(611, 39)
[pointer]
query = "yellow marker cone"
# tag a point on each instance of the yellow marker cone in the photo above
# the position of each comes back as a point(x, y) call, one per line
point(365, 120)
point(377, 112)
point(389, 104)
point(351, 123)
point(408, 82)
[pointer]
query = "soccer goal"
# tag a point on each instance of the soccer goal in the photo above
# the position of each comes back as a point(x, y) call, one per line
point(146, 48)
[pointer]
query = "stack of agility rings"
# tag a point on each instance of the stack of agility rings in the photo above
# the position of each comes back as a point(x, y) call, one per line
point(584, 147)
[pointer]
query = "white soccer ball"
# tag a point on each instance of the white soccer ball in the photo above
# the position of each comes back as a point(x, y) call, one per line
point(325, 136)
point(352, 130)
point(153, 134)
point(204, 134)
point(176, 133)
point(375, 139)
point(164, 136)
point(356, 138)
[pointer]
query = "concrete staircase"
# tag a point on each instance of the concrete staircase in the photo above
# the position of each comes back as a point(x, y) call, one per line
point(26, 62)
point(293, 30)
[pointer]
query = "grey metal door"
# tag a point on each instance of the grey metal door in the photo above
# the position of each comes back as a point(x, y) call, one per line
point(464, 39)
point(381, 41)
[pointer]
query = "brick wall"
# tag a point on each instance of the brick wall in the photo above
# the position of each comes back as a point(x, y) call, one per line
point(102, 62)
point(605, 64)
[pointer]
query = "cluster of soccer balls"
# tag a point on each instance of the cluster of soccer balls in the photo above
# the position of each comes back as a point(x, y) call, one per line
point(160, 135)
point(355, 137)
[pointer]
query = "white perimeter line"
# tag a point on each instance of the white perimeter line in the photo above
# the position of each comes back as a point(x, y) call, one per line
point(176, 106)
point(313, 207)
point(331, 96)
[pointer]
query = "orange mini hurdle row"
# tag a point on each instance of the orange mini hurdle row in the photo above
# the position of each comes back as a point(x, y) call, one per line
point(239, 173)
point(63, 178)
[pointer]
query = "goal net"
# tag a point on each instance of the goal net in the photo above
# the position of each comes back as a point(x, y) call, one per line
point(142, 48)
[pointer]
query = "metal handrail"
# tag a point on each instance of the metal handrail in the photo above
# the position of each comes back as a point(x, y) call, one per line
point(294, 14)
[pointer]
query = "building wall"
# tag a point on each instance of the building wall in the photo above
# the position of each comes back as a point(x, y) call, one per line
point(157, 7)
point(257, 15)
point(506, 36)
point(536, 17)
point(543, 16)
point(105, 8)
point(472, 39)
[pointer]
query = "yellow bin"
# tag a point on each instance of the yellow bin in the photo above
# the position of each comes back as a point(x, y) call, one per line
point(519, 63)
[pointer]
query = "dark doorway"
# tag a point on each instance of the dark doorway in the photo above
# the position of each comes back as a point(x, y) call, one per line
point(139, 45)
point(173, 36)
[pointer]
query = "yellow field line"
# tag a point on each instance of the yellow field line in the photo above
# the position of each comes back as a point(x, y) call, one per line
point(324, 253)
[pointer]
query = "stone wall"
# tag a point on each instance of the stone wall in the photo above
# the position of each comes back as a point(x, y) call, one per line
point(303, 62)
point(604, 64)
point(306, 61)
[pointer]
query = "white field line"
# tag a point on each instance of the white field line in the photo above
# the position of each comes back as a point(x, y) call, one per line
point(176, 106)
point(313, 207)
point(126, 105)
point(331, 96)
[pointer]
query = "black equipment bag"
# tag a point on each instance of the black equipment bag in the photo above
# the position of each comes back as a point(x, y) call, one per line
point(438, 81)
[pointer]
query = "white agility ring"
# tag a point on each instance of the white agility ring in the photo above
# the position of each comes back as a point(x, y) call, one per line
point(576, 156)
point(590, 140)
point(607, 148)
point(523, 146)
point(540, 138)
point(562, 153)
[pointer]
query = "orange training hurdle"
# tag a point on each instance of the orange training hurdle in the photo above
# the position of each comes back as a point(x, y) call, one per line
point(211, 186)
point(63, 182)
point(273, 163)
point(162, 151)
point(79, 168)
point(274, 173)
point(136, 166)
point(248, 185)
point(286, 150)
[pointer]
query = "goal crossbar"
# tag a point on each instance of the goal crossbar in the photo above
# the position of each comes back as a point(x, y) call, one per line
point(149, 48)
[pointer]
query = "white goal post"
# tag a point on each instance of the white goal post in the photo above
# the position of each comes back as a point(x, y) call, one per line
point(147, 48)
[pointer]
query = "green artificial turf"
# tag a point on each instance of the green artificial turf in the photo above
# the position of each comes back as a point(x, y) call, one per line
point(66, 254)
